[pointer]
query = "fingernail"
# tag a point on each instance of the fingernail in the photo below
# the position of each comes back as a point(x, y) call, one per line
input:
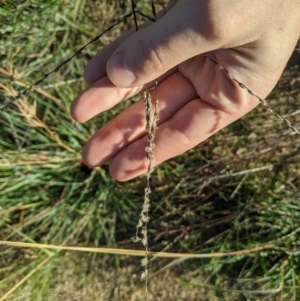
point(119, 72)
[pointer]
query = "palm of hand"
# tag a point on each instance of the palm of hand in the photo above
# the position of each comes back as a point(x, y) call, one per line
point(195, 100)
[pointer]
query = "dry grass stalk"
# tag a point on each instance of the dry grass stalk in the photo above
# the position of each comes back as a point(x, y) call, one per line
point(142, 226)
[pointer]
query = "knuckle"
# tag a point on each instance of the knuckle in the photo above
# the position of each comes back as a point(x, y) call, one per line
point(151, 54)
point(215, 29)
point(181, 135)
point(213, 23)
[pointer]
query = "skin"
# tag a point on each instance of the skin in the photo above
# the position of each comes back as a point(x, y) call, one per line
point(252, 39)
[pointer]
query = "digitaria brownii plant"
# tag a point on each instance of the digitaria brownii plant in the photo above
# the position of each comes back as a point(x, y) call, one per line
point(151, 126)
point(142, 226)
point(151, 113)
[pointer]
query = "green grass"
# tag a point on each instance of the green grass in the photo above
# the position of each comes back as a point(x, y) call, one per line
point(235, 191)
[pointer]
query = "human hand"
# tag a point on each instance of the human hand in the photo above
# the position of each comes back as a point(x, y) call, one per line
point(251, 39)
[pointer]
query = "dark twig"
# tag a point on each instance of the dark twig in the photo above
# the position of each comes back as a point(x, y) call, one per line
point(133, 11)
point(59, 66)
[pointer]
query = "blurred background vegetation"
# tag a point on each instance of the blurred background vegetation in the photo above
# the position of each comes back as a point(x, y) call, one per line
point(237, 190)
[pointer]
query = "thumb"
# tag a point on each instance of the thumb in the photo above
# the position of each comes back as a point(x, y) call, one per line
point(183, 32)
